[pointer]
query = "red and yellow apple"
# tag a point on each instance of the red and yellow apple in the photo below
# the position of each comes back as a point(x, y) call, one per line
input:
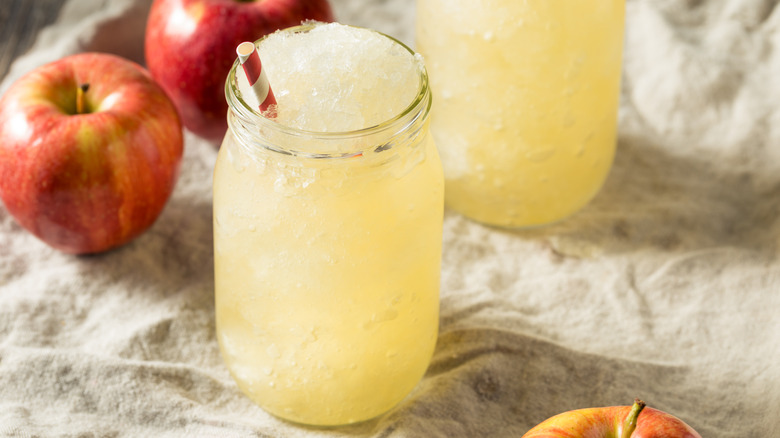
point(191, 44)
point(90, 149)
point(635, 421)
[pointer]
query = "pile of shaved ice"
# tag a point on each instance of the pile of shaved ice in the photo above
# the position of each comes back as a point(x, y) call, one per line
point(336, 78)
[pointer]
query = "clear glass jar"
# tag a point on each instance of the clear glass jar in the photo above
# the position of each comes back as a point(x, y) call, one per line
point(526, 99)
point(327, 264)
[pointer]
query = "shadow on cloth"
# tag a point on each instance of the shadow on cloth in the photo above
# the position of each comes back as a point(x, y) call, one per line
point(176, 253)
point(657, 199)
point(485, 382)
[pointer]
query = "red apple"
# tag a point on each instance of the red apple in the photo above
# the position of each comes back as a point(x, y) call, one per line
point(613, 422)
point(191, 45)
point(86, 171)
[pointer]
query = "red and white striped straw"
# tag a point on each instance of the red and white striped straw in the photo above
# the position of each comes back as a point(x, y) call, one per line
point(250, 61)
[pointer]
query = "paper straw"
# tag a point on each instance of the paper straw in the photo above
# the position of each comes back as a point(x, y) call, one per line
point(250, 61)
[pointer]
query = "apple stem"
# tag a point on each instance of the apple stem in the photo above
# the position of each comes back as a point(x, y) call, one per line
point(80, 104)
point(629, 424)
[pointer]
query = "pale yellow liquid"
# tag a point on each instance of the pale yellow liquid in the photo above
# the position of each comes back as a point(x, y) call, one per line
point(327, 278)
point(525, 102)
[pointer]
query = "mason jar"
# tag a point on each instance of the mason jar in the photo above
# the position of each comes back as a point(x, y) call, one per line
point(327, 263)
point(525, 103)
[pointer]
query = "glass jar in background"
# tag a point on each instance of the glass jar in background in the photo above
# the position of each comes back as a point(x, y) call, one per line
point(327, 258)
point(525, 103)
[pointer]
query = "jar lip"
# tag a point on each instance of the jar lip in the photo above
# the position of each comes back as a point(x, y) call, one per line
point(247, 113)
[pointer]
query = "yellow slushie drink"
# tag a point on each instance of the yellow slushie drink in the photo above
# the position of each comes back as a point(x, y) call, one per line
point(328, 227)
point(525, 102)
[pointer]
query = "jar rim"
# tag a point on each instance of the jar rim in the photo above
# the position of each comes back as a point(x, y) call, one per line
point(420, 105)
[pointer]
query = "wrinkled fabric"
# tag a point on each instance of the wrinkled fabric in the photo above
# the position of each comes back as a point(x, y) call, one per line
point(666, 287)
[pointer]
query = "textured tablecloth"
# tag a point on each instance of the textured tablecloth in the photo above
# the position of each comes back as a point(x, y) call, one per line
point(666, 287)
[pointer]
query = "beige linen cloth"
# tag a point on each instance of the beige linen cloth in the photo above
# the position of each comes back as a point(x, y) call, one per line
point(666, 287)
